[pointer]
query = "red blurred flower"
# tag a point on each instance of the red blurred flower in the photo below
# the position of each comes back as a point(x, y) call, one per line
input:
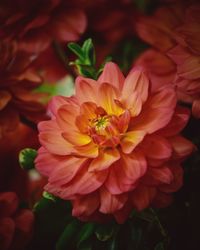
point(15, 224)
point(17, 81)
point(114, 146)
point(174, 30)
point(35, 24)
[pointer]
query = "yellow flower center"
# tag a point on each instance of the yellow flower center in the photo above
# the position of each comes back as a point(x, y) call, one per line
point(100, 123)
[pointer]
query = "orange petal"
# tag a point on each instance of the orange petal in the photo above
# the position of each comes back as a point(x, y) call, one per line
point(181, 147)
point(136, 81)
point(106, 158)
point(89, 150)
point(83, 183)
point(66, 117)
point(76, 138)
point(142, 197)
point(65, 170)
point(51, 138)
point(107, 96)
point(156, 147)
point(162, 174)
point(177, 123)
point(113, 75)
point(111, 203)
point(157, 111)
point(86, 90)
point(130, 140)
point(57, 101)
point(124, 174)
point(85, 205)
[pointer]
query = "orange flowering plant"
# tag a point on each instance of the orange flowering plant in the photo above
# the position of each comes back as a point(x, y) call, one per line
point(114, 145)
point(99, 151)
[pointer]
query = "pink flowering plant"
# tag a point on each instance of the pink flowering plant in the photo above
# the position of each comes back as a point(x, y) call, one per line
point(99, 125)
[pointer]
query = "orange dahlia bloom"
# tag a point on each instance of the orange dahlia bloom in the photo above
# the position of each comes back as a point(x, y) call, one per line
point(114, 145)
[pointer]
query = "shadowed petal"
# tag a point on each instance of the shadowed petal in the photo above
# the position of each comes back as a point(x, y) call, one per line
point(111, 203)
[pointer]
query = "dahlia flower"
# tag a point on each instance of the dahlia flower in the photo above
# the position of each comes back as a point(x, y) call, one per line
point(17, 80)
point(15, 224)
point(114, 146)
point(35, 24)
point(175, 34)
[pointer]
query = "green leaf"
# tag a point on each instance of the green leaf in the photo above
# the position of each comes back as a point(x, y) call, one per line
point(86, 231)
point(27, 157)
point(74, 47)
point(85, 245)
point(89, 52)
point(105, 232)
point(49, 196)
point(66, 237)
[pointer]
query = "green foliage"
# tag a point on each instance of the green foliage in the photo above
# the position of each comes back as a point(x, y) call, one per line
point(66, 238)
point(86, 62)
point(63, 87)
point(27, 157)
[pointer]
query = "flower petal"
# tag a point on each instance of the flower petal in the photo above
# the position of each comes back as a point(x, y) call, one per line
point(157, 111)
point(107, 96)
point(181, 147)
point(111, 203)
point(113, 75)
point(142, 197)
point(106, 158)
point(85, 205)
point(156, 147)
point(136, 81)
point(86, 90)
point(131, 139)
point(51, 138)
point(64, 172)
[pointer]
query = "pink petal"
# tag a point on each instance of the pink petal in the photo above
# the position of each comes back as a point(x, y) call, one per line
point(57, 101)
point(111, 203)
point(124, 174)
point(177, 123)
point(85, 205)
point(66, 116)
point(157, 111)
point(63, 172)
point(181, 147)
point(162, 175)
point(112, 75)
point(79, 184)
point(136, 81)
point(177, 182)
point(50, 137)
point(131, 139)
point(142, 197)
point(156, 147)
point(86, 90)
point(45, 162)
point(106, 158)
